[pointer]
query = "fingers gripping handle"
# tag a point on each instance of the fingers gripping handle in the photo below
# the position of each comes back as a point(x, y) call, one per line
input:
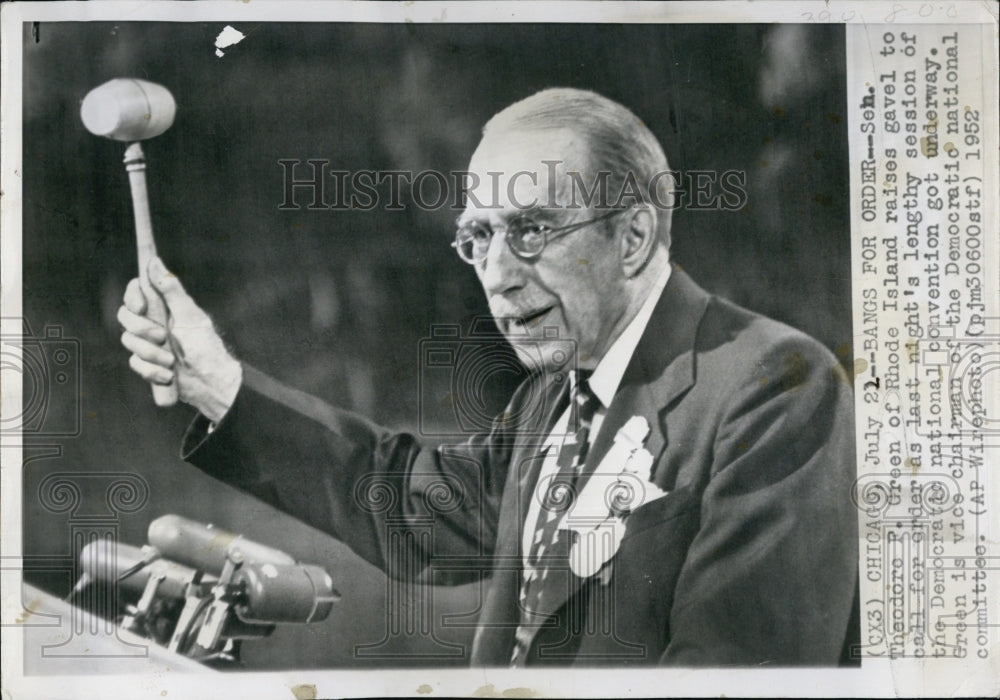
point(135, 164)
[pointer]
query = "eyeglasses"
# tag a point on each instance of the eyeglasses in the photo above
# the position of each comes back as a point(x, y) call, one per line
point(525, 237)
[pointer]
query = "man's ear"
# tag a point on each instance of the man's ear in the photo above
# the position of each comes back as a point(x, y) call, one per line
point(638, 239)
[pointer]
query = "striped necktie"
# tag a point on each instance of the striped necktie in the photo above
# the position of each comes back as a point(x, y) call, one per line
point(550, 546)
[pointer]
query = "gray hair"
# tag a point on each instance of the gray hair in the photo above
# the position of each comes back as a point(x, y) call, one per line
point(618, 141)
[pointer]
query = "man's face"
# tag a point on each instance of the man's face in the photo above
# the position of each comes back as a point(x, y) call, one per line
point(574, 289)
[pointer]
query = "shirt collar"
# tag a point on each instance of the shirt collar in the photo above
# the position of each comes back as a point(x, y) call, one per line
point(608, 374)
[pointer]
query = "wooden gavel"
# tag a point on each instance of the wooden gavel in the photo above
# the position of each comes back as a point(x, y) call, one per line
point(131, 110)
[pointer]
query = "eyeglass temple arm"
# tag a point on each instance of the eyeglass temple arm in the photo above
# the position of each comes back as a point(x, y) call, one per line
point(561, 231)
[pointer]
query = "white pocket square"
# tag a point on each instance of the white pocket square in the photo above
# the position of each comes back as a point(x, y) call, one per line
point(620, 485)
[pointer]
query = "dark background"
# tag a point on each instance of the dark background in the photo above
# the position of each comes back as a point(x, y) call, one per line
point(336, 302)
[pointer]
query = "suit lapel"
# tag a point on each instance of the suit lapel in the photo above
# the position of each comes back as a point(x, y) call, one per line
point(528, 454)
point(494, 637)
point(660, 371)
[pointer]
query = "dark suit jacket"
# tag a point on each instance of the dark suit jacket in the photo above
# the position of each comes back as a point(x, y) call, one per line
point(751, 558)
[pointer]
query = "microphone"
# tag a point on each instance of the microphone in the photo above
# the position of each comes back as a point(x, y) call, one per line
point(267, 586)
point(207, 547)
point(107, 561)
point(279, 593)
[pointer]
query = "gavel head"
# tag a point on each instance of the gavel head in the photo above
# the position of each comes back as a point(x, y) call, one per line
point(128, 109)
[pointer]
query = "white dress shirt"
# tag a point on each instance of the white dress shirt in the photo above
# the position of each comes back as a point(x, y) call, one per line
point(604, 382)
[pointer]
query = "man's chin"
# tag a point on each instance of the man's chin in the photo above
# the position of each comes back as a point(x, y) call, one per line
point(546, 356)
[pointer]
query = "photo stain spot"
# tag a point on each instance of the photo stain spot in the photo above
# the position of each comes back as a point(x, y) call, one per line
point(490, 691)
point(424, 689)
point(848, 370)
point(796, 371)
point(304, 691)
point(29, 610)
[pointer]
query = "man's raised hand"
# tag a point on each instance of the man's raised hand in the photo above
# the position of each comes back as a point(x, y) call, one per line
point(187, 350)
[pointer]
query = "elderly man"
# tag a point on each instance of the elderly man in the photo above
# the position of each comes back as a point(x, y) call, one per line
point(686, 500)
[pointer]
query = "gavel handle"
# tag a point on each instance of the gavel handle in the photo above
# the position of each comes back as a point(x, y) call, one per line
point(135, 165)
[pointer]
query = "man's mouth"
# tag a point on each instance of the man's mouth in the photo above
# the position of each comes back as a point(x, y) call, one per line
point(534, 317)
point(528, 320)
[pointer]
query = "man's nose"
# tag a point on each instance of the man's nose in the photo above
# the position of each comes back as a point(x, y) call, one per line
point(501, 271)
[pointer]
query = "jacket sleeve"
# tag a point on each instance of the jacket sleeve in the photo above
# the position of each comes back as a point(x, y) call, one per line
point(376, 490)
point(770, 577)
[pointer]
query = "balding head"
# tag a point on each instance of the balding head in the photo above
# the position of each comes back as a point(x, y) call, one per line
point(614, 140)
